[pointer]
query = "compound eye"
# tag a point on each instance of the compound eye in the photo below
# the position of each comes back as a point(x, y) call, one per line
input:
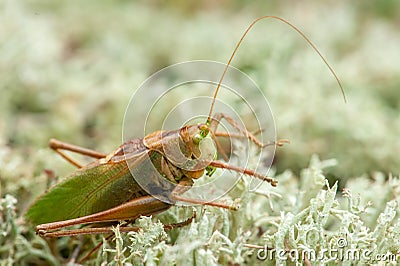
point(204, 132)
point(197, 138)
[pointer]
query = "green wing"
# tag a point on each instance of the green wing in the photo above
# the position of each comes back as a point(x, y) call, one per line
point(94, 188)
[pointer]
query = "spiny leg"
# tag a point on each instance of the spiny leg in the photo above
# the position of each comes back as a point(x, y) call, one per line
point(107, 230)
point(214, 135)
point(181, 224)
point(202, 202)
point(59, 146)
point(132, 209)
point(185, 185)
point(219, 116)
point(87, 231)
point(279, 142)
point(245, 171)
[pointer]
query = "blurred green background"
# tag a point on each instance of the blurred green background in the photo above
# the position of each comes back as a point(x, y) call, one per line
point(68, 69)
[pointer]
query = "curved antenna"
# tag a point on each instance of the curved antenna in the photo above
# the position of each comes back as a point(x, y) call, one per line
point(240, 42)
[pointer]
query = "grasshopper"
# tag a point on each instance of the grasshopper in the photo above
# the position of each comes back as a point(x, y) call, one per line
point(109, 193)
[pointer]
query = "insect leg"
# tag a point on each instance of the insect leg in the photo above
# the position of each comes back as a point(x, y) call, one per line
point(87, 231)
point(181, 224)
point(59, 146)
point(279, 142)
point(132, 209)
point(219, 116)
point(108, 230)
point(184, 185)
point(221, 151)
point(245, 171)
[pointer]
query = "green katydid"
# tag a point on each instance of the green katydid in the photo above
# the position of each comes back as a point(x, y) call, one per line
point(88, 196)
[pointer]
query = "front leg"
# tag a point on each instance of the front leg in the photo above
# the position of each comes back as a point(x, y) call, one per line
point(244, 132)
point(185, 185)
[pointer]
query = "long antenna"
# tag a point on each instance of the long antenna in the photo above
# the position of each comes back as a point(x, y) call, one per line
point(240, 42)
